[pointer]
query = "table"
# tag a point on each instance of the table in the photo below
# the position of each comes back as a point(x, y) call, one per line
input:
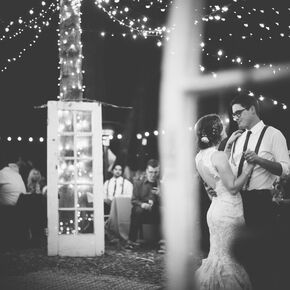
point(118, 223)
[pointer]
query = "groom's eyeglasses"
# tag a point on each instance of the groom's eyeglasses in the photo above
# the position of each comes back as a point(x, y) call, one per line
point(237, 114)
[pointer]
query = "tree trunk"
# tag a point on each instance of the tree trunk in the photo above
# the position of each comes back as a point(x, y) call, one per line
point(70, 51)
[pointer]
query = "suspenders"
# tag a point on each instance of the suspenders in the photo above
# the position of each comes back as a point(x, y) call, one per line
point(257, 150)
point(123, 185)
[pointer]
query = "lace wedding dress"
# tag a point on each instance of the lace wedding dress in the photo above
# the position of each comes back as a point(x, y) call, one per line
point(220, 270)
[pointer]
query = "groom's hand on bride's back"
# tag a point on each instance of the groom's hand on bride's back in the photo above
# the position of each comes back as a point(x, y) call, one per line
point(210, 191)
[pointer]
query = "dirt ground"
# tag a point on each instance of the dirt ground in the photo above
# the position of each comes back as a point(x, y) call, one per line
point(143, 264)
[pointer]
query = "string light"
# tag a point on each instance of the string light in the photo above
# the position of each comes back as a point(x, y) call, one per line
point(159, 32)
point(22, 139)
point(144, 141)
point(221, 55)
point(24, 50)
point(212, 16)
point(32, 24)
point(263, 98)
point(137, 26)
point(264, 25)
point(216, 14)
point(140, 25)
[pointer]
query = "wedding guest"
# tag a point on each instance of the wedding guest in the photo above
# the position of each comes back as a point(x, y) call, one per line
point(33, 208)
point(34, 181)
point(145, 202)
point(11, 185)
point(116, 186)
point(25, 165)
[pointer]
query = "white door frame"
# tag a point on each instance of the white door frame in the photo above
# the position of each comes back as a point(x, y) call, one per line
point(74, 244)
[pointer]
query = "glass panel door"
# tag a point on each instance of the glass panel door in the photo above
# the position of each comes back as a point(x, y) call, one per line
point(75, 173)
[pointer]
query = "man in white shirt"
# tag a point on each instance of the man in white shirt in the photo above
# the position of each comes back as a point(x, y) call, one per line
point(266, 147)
point(270, 161)
point(11, 185)
point(116, 186)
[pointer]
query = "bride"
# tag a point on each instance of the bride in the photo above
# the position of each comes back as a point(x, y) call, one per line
point(225, 215)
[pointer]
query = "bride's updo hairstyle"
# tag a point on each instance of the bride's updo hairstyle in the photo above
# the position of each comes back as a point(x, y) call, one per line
point(208, 130)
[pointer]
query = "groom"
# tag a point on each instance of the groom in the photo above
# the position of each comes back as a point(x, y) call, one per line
point(266, 148)
point(263, 146)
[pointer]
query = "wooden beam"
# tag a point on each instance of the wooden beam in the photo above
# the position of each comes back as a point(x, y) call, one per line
point(231, 79)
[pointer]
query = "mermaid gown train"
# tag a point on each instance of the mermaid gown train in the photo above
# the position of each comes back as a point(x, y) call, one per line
point(220, 270)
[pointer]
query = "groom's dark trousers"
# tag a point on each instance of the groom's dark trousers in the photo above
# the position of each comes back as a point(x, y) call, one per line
point(265, 252)
point(259, 210)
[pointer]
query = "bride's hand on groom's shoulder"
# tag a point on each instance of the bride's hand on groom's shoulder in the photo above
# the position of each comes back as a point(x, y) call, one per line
point(235, 135)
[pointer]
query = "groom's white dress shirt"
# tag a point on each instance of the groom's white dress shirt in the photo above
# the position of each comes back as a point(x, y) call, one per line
point(273, 148)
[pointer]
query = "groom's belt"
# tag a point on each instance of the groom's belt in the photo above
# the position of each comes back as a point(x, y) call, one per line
point(262, 192)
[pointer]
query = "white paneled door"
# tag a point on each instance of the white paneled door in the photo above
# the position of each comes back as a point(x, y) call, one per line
point(75, 179)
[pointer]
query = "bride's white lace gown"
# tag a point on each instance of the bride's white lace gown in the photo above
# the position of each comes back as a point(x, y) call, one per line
point(220, 270)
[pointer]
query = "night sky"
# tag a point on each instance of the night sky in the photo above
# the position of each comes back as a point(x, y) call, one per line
point(126, 72)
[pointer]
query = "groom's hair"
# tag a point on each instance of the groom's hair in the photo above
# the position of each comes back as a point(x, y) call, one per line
point(247, 101)
point(208, 130)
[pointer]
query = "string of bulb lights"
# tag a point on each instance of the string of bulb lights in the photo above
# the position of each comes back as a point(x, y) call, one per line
point(143, 30)
point(150, 31)
point(21, 25)
point(22, 139)
point(135, 30)
point(217, 13)
point(38, 29)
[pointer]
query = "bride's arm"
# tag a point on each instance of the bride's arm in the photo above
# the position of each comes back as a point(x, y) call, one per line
point(235, 135)
point(233, 184)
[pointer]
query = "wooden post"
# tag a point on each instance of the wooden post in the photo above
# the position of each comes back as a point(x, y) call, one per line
point(177, 113)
